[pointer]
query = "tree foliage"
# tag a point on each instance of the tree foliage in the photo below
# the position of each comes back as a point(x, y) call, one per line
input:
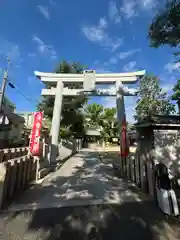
point(93, 115)
point(109, 124)
point(102, 118)
point(151, 99)
point(72, 117)
point(165, 27)
point(165, 30)
point(176, 94)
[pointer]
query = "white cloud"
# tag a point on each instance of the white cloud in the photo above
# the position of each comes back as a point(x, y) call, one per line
point(114, 12)
point(129, 9)
point(170, 67)
point(52, 3)
point(44, 48)
point(44, 11)
point(130, 66)
point(98, 34)
point(167, 87)
point(113, 60)
point(147, 4)
point(10, 50)
point(120, 56)
point(167, 82)
point(124, 55)
point(95, 34)
point(102, 23)
point(115, 44)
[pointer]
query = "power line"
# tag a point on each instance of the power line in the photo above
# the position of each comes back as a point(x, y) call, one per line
point(14, 86)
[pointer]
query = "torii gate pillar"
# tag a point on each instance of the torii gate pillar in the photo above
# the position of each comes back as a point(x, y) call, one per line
point(55, 126)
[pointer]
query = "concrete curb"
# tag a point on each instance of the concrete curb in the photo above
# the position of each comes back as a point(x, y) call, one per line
point(44, 172)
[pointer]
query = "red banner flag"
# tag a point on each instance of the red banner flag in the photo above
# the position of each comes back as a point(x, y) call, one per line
point(124, 145)
point(35, 134)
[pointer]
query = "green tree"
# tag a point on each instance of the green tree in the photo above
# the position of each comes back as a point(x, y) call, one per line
point(93, 115)
point(109, 124)
point(72, 117)
point(101, 118)
point(151, 99)
point(165, 30)
point(165, 27)
point(176, 94)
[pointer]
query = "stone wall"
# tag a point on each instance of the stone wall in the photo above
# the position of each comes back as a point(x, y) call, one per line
point(167, 149)
point(153, 146)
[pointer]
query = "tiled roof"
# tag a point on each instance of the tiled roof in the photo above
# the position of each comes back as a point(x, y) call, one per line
point(12, 117)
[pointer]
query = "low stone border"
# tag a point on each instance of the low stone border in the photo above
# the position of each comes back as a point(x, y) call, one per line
point(49, 169)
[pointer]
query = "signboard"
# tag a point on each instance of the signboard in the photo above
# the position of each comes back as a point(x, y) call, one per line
point(89, 80)
point(124, 144)
point(35, 134)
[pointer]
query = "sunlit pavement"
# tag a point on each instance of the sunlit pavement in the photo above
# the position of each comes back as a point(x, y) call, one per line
point(85, 200)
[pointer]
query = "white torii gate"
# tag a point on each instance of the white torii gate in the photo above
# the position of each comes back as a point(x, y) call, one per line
point(59, 87)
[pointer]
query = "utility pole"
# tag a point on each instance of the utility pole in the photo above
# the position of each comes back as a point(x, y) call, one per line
point(3, 86)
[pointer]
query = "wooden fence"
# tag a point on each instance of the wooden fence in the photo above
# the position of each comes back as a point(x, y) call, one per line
point(11, 153)
point(15, 176)
point(18, 170)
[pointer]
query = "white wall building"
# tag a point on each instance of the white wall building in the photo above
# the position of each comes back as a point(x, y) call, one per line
point(28, 117)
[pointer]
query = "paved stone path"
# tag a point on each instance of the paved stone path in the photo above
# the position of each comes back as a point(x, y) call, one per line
point(85, 200)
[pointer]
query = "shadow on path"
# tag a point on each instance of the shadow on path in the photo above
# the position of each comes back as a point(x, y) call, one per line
point(131, 216)
point(130, 220)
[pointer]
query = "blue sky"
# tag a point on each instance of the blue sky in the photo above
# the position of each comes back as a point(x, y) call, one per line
point(109, 36)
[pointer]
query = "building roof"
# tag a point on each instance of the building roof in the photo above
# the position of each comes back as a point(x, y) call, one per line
point(12, 117)
point(160, 120)
point(93, 132)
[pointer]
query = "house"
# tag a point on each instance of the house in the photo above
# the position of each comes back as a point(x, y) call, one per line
point(11, 126)
point(28, 123)
point(28, 118)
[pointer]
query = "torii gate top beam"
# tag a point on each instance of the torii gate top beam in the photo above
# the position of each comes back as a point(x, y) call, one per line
point(101, 78)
